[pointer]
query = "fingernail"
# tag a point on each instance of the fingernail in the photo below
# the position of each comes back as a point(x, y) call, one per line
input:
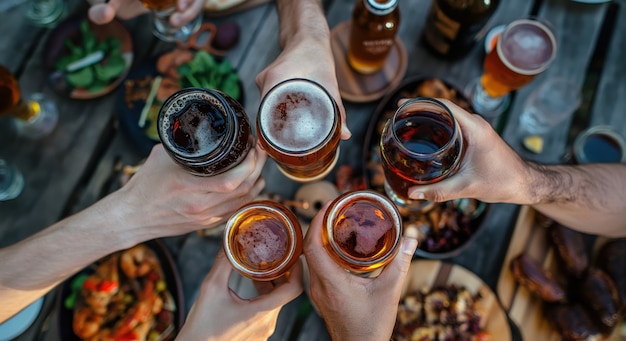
point(409, 245)
point(175, 19)
point(416, 195)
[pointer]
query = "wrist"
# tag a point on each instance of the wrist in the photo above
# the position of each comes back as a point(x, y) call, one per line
point(303, 19)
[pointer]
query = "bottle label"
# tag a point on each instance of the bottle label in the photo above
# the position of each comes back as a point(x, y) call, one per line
point(376, 47)
point(440, 29)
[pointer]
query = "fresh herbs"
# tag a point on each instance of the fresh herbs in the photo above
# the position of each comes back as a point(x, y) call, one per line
point(204, 71)
point(97, 76)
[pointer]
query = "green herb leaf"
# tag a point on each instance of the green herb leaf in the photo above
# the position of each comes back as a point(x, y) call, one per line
point(81, 78)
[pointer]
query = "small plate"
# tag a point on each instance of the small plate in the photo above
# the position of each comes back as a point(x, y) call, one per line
point(19, 323)
point(446, 242)
point(431, 274)
point(70, 29)
point(356, 87)
point(172, 279)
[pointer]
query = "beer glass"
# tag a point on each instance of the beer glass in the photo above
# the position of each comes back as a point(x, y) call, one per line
point(34, 116)
point(205, 131)
point(525, 49)
point(263, 240)
point(11, 181)
point(162, 28)
point(361, 231)
point(420, 144)
point(298, 125)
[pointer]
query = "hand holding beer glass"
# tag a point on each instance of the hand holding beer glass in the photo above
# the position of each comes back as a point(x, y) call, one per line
point(299, 126)
point(163, 28)
point(524, 50)
point(34, 116)
point(420, 144)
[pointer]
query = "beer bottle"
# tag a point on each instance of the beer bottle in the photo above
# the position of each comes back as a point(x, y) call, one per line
point(372, 33)
point(454, 26)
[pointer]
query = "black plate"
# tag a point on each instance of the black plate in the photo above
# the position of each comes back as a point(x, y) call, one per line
point(129, 117)
point(454, 241)
point(172, 279)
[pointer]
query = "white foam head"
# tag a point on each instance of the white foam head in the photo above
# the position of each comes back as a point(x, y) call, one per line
point(527, 50)
point(297, 116)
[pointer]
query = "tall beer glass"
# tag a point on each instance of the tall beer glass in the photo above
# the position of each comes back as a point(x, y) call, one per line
point(524, 50)
point(163, 29)
point(420, 144)
point(34, 116)
point(361, 231)
point(298, 125)
point(263, 240)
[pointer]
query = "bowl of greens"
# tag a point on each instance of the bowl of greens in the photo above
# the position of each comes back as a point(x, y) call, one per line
point(86, 60)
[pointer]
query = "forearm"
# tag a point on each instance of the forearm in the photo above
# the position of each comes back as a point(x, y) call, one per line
point(32, 267)
point(302, 19)
point(589, 198)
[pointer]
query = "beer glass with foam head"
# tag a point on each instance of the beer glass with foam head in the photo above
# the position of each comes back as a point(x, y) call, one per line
point(420, 144)
point(263, 240)
point(361, 231)
point(205, 131)
point(524, 50)
point(162, 28)
point(299, 126)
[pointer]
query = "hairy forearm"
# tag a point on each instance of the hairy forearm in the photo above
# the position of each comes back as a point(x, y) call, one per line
point(589, 198)
point(302, 19)
point(32, 267)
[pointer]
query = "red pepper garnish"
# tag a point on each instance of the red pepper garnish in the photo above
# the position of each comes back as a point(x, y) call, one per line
point(152, 276)
point(90, 284)
point(108, 286)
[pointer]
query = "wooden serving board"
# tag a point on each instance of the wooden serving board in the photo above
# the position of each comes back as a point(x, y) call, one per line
point(524, 308)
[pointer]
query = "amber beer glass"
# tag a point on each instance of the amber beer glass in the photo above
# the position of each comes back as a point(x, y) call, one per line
point(420, 144)
point(361, 231)
point(298, 125)
point(263, 240)
point(524, 50)
point(205, 131)
point(162, 28)
point(35, 116)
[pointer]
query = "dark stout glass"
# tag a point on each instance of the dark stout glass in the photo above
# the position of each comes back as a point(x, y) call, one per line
point(263, 240)
point(298, 125)
point(205, 131)
point(361, 231)
point(420, 144)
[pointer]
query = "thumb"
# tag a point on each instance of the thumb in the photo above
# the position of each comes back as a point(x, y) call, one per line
point(101, 13)
point(396, 271)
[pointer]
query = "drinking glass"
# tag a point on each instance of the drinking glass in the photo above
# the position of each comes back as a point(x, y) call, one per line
point(361, 231)
point(298, 125)
point(524, 50)
point(11, 181)
point(45, 12)
point(34, 116)
point(205, 131)
point(550, 104)
point(162, 28)
point(420, 144)
point(263, 240)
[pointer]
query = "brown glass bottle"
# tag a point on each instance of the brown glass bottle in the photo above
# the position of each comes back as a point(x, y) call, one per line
point(454, 26)
point(372, 33)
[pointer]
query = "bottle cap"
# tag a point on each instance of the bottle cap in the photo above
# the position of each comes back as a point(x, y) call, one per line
point(381, 8)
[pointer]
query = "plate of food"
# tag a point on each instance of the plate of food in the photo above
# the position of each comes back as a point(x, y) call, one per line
point(446, 228)
point(150, 84)
point(85, 60)
point(133, 294)
point(445, 301)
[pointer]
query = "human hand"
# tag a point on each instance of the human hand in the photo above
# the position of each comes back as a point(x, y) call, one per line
point(162, 199)
point(102, 12)
point(219, 314)
point(490, 170)
point(316, 54)
point(353, 307)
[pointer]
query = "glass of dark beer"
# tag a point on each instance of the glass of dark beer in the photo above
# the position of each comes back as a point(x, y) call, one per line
point(420, 144)
point(361, 231)
point(524, 50)
point(205, 131)
point(263, 240)
point(298, 125)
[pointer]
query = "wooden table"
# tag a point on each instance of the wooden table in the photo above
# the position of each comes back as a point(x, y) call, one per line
point(76, 165)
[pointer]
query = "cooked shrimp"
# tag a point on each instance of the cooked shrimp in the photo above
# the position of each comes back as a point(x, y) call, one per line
point(86, 322)
point(138, 261)
point(100, 287)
